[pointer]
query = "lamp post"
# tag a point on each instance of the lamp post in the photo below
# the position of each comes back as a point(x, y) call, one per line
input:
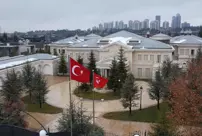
point(141, 97)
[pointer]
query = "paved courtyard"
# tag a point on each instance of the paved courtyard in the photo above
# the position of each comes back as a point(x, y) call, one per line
point(59, 96)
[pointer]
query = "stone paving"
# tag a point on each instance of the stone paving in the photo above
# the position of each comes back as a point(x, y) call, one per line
point(59, 96)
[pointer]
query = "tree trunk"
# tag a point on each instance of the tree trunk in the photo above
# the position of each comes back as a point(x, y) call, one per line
point(30, 96)
point(130, 107)
point(158, 104)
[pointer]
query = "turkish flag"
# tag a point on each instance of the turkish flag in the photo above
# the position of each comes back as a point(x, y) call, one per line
point(78, 72)
point(98, 81)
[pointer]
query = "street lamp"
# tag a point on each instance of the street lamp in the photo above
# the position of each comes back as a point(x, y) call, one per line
point(141, 97)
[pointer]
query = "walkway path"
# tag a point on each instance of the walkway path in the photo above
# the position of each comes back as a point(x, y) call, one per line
point(59, 96)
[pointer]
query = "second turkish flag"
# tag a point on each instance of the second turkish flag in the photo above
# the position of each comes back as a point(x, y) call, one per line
point(98, 81)
point(78, 72)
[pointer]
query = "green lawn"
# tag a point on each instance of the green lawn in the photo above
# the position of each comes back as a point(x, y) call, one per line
point(46, 108)
point(98, 96)
point(150, 114)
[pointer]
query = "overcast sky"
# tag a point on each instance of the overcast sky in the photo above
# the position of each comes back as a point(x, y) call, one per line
point(25, 15)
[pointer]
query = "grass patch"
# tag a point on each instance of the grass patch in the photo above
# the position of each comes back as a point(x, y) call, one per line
point(98, 96)
point(46, 108)
point(151, 114)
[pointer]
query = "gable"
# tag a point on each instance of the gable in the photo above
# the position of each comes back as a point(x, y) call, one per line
point(115, 46)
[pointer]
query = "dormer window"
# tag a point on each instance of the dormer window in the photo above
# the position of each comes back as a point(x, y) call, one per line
point(104, 41)
point(133, 42)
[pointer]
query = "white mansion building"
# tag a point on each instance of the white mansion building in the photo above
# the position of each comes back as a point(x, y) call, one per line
point(144, 55)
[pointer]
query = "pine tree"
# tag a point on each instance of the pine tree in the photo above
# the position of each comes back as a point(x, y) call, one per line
point(62, 65)
point(27, 76)
point(200, 32)
point(198, 55)
point(92, 65)
point(129, 93)
point(81, 123)
point(40, 89)
point(113, 81)
point(156, 91)
point(12, 86)
point(122, 67)
point(80, 60)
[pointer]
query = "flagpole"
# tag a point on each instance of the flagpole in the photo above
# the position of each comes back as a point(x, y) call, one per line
point(93, 99)
point(70, 94)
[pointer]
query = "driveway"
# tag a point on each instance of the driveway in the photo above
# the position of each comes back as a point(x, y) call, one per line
point(59, 96)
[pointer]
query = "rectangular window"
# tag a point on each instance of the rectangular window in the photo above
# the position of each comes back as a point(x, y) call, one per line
point(77, 55)
point(147, 72)
point(152, 57)
point(82, 55)
point(139, 57)
point(186, 51)
point(165, 57)
point(59, 50)
point(192, 52)
point(158, 58)
point(181, 51)
point(145, 57)
point(139, 72)
point(63, 51)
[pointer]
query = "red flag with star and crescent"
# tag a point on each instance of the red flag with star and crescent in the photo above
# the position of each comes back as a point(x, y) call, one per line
point(78, 72)
point(98, 81)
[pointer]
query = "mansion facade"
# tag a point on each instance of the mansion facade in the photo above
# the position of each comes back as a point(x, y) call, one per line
point(144, 55)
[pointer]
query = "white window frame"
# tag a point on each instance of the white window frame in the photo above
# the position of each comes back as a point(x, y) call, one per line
point(151, 56)
point(146, 57)
point(139, 57)
point(139, 73)
point(147, 73)
point(181, 51)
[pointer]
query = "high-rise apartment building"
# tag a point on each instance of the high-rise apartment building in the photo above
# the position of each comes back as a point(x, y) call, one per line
point(185, 25)
point(121, 24)
point(105, 26)
point(154, 25)
point(117, 25)
point(146, 24)
point(137, 25)
point(165, 24)
point(101, 28)
point(158, 17)
point(176, 21)
point(130, 24)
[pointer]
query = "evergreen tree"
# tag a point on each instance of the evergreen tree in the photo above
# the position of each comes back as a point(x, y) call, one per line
point(27, 77)
point(40, 89)
point(169, 72)
point(62, 65)
point(164, 128)
point(198, 55)
point(156, 91)
point(12, 86)
point(200, 32)
point(122, 67)
point(5, 38)
point(92, 65)
point(12, 107)
point(15, 38)
point(80, 60)
point(113, 81)
point(81, 123)
point(129, 93)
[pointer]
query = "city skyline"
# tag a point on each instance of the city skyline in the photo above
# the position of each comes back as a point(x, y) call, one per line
point(157, 24)
point(25, 15)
